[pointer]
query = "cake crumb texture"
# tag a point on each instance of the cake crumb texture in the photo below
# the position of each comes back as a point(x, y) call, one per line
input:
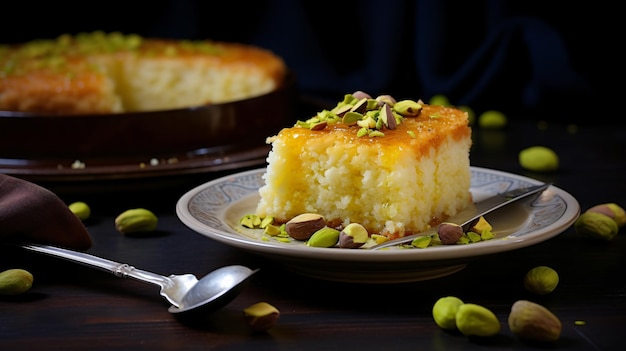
point(92, 73)
point(395, 185)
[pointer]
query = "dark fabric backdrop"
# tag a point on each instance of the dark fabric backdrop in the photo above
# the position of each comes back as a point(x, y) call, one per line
point(546, 60)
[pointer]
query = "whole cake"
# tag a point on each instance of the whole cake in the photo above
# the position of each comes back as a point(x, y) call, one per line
point(95, 73)
point(396, 167)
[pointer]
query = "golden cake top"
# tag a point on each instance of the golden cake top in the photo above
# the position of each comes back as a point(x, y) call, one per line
point(361, 119)
point(67, 51)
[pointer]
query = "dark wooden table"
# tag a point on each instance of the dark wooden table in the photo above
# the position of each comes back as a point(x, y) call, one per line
point(72, 307)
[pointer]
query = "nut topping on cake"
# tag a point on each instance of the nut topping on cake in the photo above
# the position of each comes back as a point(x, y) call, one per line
point(371, 115)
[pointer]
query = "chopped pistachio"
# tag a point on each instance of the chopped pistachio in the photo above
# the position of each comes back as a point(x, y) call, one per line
point(463, 240)
point(473, 237)
point(272, 230)
point(266, 221)
point(422, 241)
point(362, 132)
point(407, 108)
point(351, 117)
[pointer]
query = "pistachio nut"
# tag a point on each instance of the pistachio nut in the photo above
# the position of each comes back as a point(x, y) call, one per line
point(422, 242)
point(539, 159)
point(481, 226)
point(492, 119)
point(476, 320)
point(302, 226)
point(136, 220)
point(325, 237)
point(360, 106)
point(361, 95)
point(449, 233)
point(15, 281)
point(385, 99)
point(272, 230)
point(541, 280)
point(407, 108)
point(261, 316)
point(353, 236)
point(439, 100)
point(80, 209)
point(386, 115)
point(612, 210)
point(266, 221)
point(379, 239)
point(596, 225)
point(250, 221)
point(444, 311)
point(531, 321)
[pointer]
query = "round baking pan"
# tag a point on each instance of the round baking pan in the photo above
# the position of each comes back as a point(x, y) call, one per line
point(214, 137)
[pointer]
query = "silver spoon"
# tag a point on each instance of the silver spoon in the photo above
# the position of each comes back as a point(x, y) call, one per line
point(185, 292)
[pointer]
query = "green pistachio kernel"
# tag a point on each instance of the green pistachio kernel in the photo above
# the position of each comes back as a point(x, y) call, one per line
point(15, 281)
point(492, 119)
point(541, 280)
point(472, 319)
point(250, 221)
point(487, 235)
point(473, 237)
point(539, 159)
point(351, 117)
point(407, 108)
point(439, 100)
point(80, 209)
point(444, 312)
point(325, 237)
point(266, 221)
point(422, 241)
point(272, 230)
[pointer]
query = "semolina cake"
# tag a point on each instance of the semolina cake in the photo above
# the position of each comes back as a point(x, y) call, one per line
point(97, 73)
point(396, 167)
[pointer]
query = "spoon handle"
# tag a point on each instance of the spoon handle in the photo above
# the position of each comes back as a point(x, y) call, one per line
point(121, 270)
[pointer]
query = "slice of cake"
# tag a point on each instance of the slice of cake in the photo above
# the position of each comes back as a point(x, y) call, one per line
point(395, 167)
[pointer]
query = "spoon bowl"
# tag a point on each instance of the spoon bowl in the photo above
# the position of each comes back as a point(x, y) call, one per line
point(185, 292)
point(214, 290)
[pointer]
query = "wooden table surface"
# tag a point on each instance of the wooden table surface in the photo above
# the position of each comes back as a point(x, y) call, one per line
point(73, 307)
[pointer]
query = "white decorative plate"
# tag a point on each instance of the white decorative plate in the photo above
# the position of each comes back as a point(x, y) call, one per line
point(214, 209)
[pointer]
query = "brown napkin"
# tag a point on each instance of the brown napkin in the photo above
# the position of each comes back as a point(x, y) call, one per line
point(29, 212)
